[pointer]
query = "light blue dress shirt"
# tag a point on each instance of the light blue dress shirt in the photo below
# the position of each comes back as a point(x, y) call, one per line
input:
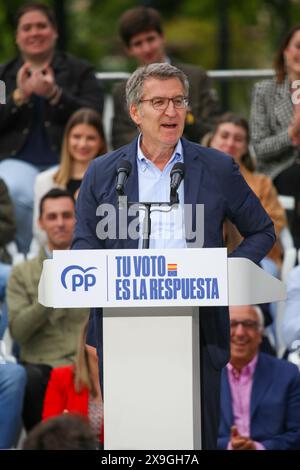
point(167, 226)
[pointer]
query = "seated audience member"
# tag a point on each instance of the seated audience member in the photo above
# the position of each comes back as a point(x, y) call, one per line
point(231, 136)
point(141, 31)
point(7, 221)
point(12, 386)
point(260, 394)
point(43, 87)
point(47, 337)
point(291, 319)
point(7, 232)
point(76, 388)
point(83, 141)
point(275, 124)
point(66, 432)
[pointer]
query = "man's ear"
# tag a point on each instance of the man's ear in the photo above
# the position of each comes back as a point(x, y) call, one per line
point(135, 114)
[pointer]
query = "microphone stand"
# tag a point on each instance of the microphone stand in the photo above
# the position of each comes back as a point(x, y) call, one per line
point(174, 199)
point(147, 206)
point(146, 226)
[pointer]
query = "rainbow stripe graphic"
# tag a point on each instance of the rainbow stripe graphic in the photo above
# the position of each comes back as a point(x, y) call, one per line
point(172, 269)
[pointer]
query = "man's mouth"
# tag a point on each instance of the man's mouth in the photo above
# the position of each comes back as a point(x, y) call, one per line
point(169, 126)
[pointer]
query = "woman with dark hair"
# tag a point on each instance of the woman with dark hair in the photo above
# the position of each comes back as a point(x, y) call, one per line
point(83, 141)
point(231, 136)
point(76, 389)
point(275, 123)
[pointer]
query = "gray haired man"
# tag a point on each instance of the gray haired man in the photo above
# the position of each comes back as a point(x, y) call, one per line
point(157, 97)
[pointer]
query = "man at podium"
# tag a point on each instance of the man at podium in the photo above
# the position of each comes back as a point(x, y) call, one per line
point(155, 166)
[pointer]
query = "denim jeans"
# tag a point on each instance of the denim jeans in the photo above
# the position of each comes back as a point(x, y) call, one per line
point(20, 177)
point(12, 386)
point(5, 270)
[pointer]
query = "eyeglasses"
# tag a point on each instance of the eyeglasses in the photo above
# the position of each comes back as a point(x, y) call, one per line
point(247, 324)
point(161, 103)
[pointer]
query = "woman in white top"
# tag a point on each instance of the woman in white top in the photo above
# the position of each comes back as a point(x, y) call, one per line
point(83, 141)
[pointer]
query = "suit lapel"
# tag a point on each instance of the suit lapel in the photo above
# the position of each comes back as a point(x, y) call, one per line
point(261, 382)
point(131, 188)
point(226, 400)
point(192, 180)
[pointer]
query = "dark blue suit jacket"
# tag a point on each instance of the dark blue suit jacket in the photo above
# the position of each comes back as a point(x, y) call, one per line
point(213, 179)
point(274, 406)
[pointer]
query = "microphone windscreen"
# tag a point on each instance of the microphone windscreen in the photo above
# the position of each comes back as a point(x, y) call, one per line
point(178, 168)
point(124, 165)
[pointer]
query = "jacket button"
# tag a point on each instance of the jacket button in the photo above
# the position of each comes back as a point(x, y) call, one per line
point(25, 131)
point(14, 110)
point(47, 123)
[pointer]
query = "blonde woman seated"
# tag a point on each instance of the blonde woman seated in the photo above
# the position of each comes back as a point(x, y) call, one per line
point(231, 136)
point(83, 141)
point(76, 389)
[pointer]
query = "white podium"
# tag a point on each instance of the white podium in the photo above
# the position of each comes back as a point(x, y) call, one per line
point(150, 303)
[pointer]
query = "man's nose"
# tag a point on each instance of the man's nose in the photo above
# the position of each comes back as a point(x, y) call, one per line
point(60, 220)
point(240, 329)
point(170, 109)
point(146, 46)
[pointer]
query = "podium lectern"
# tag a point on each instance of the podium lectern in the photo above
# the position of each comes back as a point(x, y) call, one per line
point(150, 304)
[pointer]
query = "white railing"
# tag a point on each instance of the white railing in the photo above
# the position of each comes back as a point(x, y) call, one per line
point(214, 74)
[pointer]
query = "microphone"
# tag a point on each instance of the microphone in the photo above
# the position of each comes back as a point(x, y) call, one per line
point(123, 171)
point(176, 176)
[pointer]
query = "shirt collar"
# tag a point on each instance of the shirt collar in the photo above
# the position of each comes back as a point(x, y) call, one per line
point(49, 253)
point(247, 370)
point(177, 155)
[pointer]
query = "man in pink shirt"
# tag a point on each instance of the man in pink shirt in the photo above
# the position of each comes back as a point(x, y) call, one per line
point(260, 394)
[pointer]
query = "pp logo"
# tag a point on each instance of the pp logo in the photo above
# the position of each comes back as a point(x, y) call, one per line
point(78, 279)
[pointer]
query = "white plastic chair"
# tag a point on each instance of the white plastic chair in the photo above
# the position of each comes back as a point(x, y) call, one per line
point(287, 202)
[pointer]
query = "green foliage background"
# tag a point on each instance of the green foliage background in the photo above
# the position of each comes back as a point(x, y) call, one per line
point(191, 27)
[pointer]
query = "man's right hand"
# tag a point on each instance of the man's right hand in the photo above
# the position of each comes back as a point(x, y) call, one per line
point(239, 442)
